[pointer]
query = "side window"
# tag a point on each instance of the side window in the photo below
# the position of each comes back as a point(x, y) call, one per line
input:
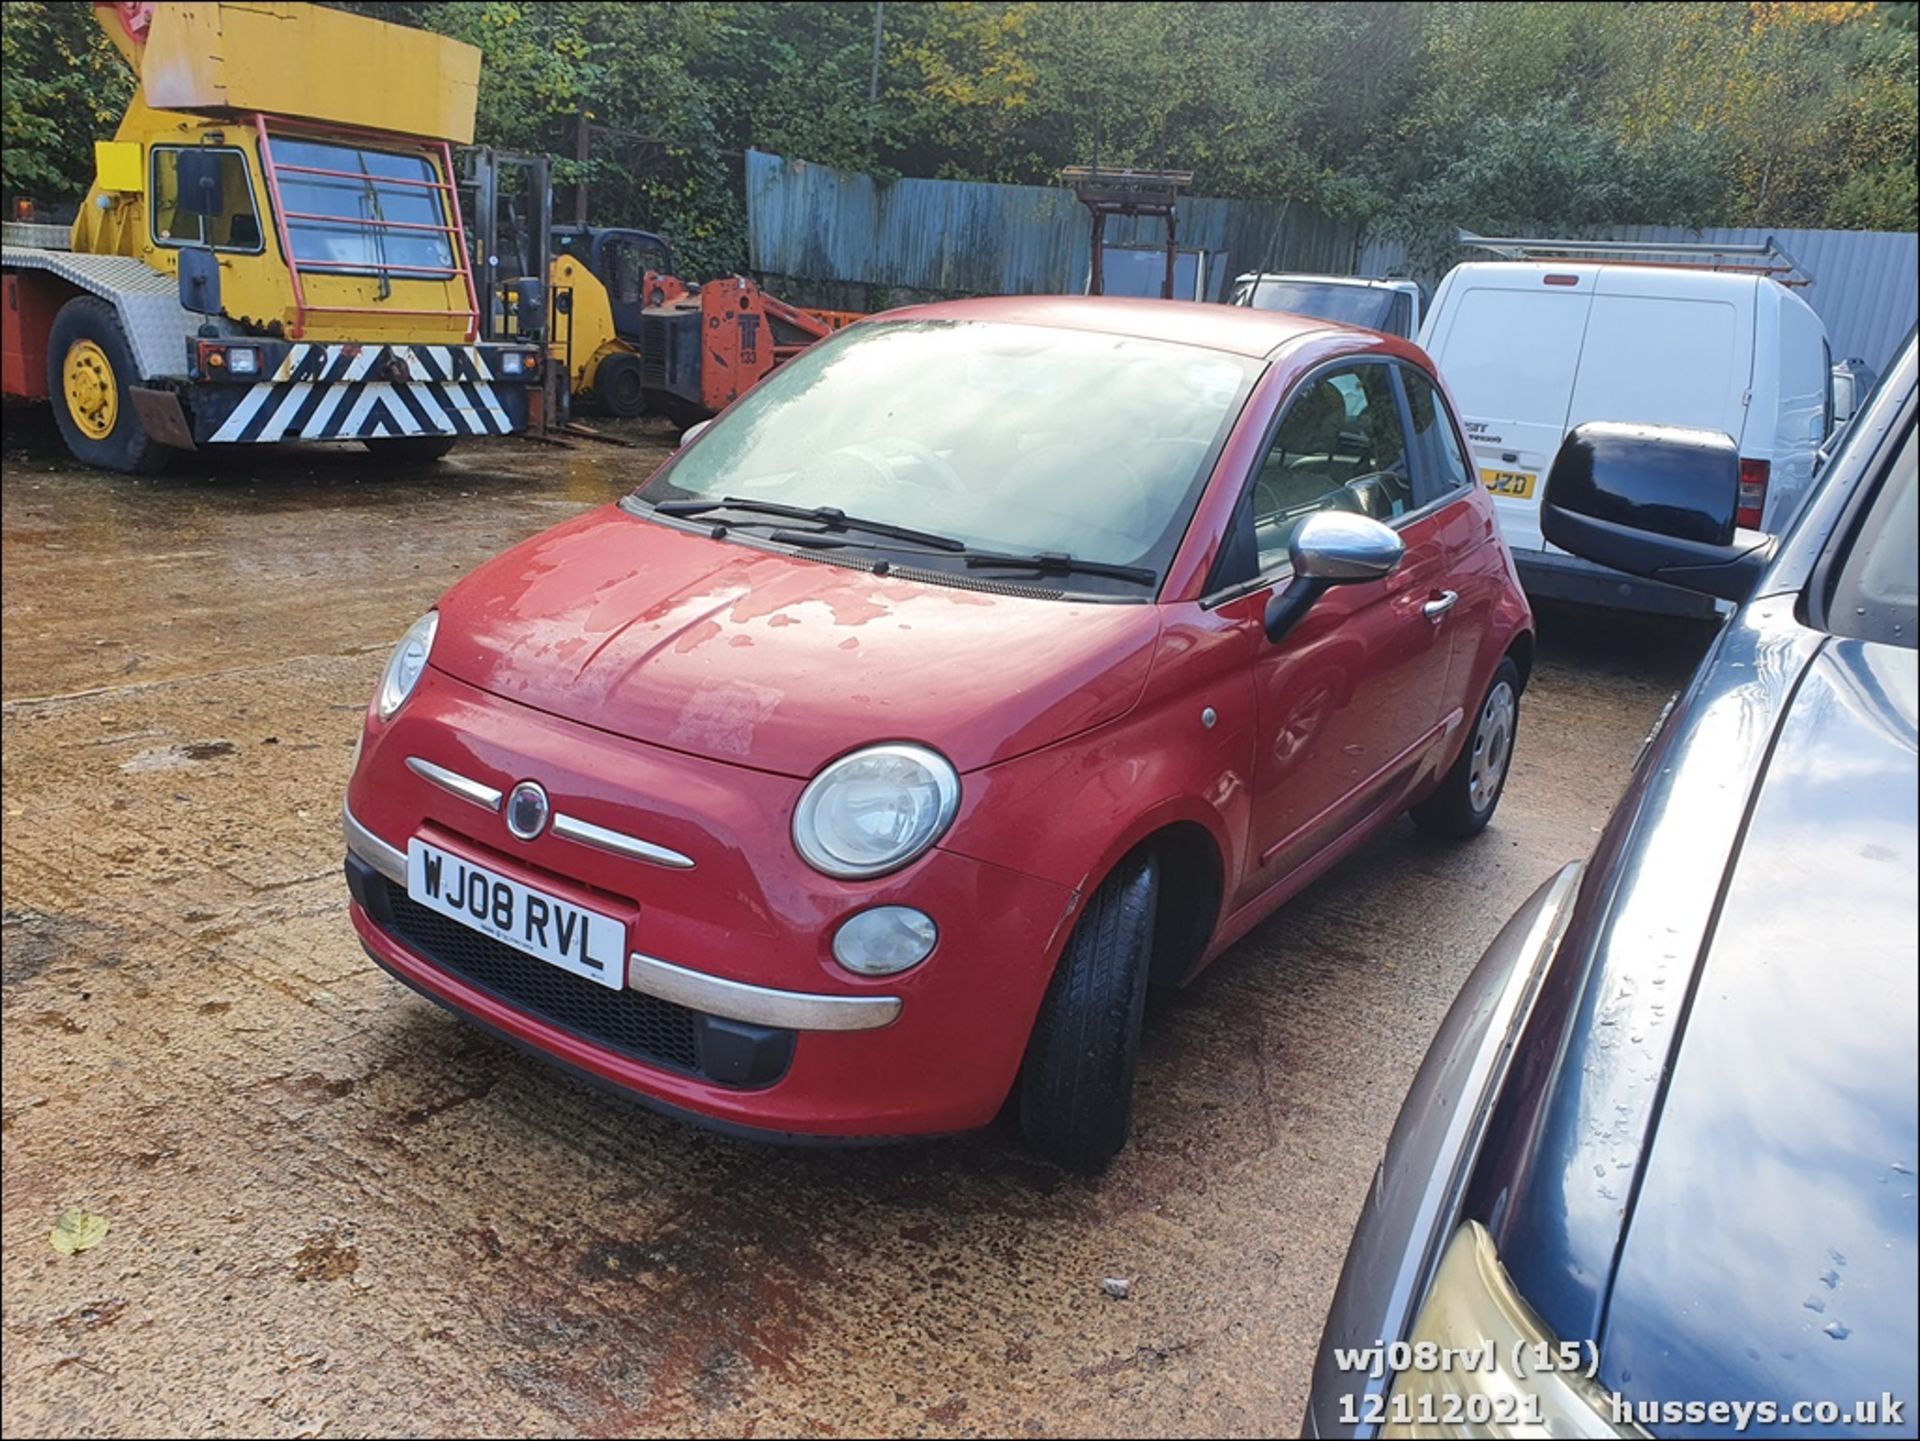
point(1340, 447)
point(1400, 315)
point(627, 258)
point(1876, 596)
point(1441, 463)
point(236, 228)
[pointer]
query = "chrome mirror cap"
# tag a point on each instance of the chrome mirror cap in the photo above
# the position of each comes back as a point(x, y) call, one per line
point(1334, 547)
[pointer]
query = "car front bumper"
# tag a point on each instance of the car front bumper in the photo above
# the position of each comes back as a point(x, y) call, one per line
point(734, 1011)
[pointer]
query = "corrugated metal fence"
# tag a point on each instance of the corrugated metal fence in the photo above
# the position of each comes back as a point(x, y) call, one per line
point(816, 223)
point(1866, 283)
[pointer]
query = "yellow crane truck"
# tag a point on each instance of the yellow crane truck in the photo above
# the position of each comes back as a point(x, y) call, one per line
point(272, 249)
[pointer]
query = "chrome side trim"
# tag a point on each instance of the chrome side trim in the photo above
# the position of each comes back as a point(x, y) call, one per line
point(619, 842)
point(453, 783)
point(390, 861)
point(791, 1010)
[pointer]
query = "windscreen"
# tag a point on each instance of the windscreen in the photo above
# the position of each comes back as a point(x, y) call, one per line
point(1011, 438)
point(352, 210)
point(1344, 304)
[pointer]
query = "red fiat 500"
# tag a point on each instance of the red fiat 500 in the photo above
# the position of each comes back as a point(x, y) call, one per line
point(984, 666)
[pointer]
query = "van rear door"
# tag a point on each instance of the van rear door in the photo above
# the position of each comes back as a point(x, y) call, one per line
point(1667, 348)
point(1507, 338)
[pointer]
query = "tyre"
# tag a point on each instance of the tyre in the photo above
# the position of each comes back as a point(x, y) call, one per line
point(617, 387)
point(1076, 1084)
point(1467, 797)
point(409, 449)
point(90, 376)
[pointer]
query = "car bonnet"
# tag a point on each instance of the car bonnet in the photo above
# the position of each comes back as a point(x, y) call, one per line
point(782, 662)
point(1771, 1247)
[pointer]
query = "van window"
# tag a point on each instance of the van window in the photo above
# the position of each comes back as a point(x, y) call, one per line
point(1661, 361)
point(1400, 315)
point(1511, 354)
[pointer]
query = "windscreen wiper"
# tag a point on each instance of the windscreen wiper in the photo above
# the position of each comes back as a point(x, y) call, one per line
point(1055, 562)
point(1046, 561)
point(830, 516)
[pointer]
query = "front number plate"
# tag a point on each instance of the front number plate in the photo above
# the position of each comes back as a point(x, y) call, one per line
point(568, 936)
point(1515, 483)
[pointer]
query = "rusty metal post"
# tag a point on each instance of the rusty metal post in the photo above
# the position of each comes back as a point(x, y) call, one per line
point(1098, 284)
point(582, 150)
point(1166, 290)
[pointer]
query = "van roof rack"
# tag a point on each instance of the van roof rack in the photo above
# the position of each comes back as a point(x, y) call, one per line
point(1767, 257)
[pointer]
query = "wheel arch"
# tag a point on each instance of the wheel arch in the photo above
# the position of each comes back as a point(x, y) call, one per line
point(1191, 854)
point(1192, 885)
point(1521, 651)
point(145, 303)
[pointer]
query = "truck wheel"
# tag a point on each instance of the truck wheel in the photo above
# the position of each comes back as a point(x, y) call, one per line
point(90, 372)
point(1465, 802)
point(409, 449)
point(1076, 1085)
point(616, 385)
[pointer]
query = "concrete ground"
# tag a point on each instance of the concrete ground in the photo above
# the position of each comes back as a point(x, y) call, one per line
point(336, 1210)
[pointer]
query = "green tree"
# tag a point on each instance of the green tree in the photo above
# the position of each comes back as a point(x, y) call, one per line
point(62, 86)
point(1413, 117)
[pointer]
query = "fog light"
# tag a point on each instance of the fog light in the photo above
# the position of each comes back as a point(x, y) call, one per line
point(884, 940)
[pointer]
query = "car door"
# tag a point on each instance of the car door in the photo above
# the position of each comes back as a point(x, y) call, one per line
point(1462, 523)
point(1349, 701)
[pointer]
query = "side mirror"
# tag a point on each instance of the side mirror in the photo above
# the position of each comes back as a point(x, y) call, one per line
point(1654, 501)
point(199, 280)
point(201, 190)
point(1330, 548)
point(692, 433)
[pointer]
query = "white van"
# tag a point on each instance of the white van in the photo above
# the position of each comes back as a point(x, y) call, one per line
point(1531, 349)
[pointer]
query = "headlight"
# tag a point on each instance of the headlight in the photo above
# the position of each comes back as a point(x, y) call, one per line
point(243, 360)
point(875, 810)
point(513, 362)
point(409, 658)
point(1484, 1364)
point(884, 940)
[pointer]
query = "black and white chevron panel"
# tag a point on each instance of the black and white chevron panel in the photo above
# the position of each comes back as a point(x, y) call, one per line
point(323, 392)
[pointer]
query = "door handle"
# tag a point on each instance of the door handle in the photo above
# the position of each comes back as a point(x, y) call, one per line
point(1440, 604)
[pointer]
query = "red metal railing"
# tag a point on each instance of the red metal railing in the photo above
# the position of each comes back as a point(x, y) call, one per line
point(450, 202)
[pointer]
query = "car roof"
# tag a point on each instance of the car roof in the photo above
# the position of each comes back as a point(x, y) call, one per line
point(1232, 328)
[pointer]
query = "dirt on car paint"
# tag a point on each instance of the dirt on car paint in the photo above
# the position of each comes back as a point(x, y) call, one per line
point(335, 1208)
